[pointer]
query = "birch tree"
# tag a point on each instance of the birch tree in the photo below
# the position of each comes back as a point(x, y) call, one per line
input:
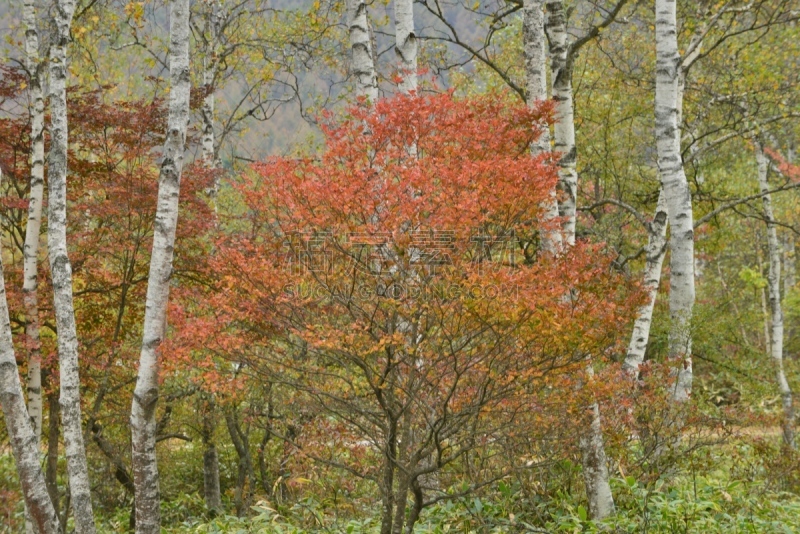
point(701, 43)
point(21, 427)
point(362, 54)
point(775, 339)
point(655, 250)
point(145, 396)
point(406, 45)
point(677, 196)
point(33, 227)
point(533, 39)
point(212, 19)
point(61, 271)
point(562, 57)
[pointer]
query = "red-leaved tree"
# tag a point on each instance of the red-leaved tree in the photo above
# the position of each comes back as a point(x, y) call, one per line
point(396, 284)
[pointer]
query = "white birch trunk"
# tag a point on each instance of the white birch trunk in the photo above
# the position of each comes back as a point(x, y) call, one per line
point(31, 248)
point(211, 488)
point(61, 272)
point(594, 459)
point(775, 309)
point(595, 462)
point(210, 63)
point(145, 395)
point(595, 466)
point(405, 45)
point(32, 229)
point(533, 37)
point(655, 251)
point(363, 63)
point(564, 127)
point(676, 193)
point(24, 441)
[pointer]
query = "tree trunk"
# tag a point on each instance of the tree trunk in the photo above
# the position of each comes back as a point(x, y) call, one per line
point(51, 475)
point(245, 468)
point(145, 396)
point(31, 249)
point(211, 490)
point(20, 431)
point(363, 67)
point(405, 45)
point(564, 127)
point(677, 195)
point(533, 37)
point(210, 62)
point(61, 272)
point(776, 311)
point(595, 467)
point(655, 251)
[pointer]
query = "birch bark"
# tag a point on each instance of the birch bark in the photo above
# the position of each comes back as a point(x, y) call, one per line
point(594, 459)
point(213, 15)
point(363, 66)
point(210, 63)
point(406, 44)
point(655, 251)
point(33, 227)
point(564, 127)
point(145, 396)
point(24, 442)
point(676, 193)
point(533, 37)
point(775, 309)
point(61, 272)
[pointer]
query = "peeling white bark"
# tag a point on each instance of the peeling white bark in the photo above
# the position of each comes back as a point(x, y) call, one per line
point(145, 395)
point(61, 272)
point(594, 459)
point(363, 63)
point(677, 195)
point(564, 127)
point(33, 227)
point(405, 45)
point(210, 64)
point(655, 251)
point(24, 442)
point(775, 309)
point(595, 467)
point(533, 37)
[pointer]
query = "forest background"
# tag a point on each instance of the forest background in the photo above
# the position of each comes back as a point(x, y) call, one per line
point(439, 266)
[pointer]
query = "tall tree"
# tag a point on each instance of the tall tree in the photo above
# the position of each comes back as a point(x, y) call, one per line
point(61, 272)
point(533, 39)
point(31, 250)
point(212, 18)
point(24, 442)
point(655, 250)
point(775, 310)
point(405, 44)
point(362, 53)
point(145, 396)
point(563, 52)
point(676, 194)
